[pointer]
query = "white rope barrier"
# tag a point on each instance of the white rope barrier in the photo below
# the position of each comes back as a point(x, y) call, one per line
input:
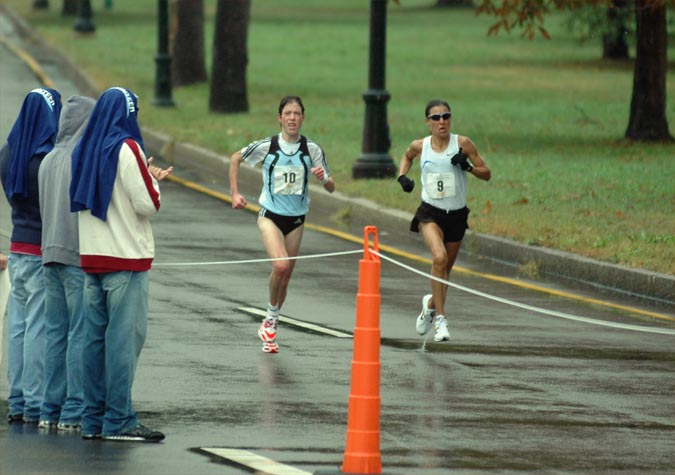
point(553, 313)
point(531, 308)
point(255, 261)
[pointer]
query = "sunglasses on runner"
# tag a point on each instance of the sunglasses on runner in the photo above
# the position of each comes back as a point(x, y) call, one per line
point(437, 117)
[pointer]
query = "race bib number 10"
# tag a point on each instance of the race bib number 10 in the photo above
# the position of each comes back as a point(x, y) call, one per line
point(288, 179)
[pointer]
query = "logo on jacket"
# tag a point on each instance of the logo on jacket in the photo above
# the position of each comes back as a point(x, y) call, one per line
point(47, 96)
point(131, 106)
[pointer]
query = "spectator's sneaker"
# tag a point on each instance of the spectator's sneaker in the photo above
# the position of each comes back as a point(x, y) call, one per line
point(270, 347)
point(268, 330)
point(89, 436)
point(138, 434)
point(441, 329)
point(45, 424)
point(15, 419)
point(30, 420)
point(426, 316)
point(68, 426)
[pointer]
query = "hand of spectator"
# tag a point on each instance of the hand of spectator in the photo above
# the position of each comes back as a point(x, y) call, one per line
point(158, 172)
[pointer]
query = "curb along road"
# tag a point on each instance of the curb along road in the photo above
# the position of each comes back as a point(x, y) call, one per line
point(350, 215)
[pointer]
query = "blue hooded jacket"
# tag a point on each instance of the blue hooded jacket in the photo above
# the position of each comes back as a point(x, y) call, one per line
point(33, 133)
point(32, 136)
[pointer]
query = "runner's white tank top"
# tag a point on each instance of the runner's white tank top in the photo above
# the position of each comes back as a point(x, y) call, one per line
point(443, 184)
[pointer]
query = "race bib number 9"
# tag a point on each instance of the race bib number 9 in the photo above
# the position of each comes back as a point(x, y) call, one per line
point(288, 179)
point(440, 185)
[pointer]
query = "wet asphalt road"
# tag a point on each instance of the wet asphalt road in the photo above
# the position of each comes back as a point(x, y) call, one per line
point(514, 391)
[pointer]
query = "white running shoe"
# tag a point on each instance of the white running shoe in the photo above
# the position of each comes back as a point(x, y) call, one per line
point(268, 330)
point(441, 329)
point(426, 316)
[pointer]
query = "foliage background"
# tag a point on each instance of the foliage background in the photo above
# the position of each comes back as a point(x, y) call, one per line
point(547, 116)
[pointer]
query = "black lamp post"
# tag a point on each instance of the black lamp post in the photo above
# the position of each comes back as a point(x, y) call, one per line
point(163, 59)
point(375, 161)
point(84, 23)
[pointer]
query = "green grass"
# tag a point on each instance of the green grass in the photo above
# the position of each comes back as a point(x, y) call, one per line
point(547, 116)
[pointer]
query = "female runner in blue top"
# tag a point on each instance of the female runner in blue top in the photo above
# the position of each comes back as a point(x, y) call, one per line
point(289, 160)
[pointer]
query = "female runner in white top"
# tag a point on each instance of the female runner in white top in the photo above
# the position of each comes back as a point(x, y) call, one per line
point(446, 160)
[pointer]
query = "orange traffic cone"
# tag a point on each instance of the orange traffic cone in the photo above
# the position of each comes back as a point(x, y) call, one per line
point(362, 453)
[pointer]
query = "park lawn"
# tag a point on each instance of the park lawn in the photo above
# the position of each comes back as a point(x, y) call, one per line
point(547, 116)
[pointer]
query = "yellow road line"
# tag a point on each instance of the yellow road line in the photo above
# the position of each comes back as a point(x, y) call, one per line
point(32, 64)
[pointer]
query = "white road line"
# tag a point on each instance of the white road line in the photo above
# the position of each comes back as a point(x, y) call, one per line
point(255, 462)
point(298, 323)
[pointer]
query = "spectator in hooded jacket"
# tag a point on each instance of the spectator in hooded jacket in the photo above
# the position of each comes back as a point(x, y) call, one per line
point(31, 138)
point(63, 276)
point(115, 190)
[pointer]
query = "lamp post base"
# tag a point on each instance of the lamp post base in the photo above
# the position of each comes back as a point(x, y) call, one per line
point(84, 25)
point(163, 81)
point(374, 165)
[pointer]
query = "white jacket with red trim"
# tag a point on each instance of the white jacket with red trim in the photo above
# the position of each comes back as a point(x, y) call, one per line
point(124, 241)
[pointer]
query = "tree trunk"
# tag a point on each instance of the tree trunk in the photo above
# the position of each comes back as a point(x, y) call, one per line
point(230, 57)
point(70, 7)
point(186, 42)
point(614, 45)
point(648, 103)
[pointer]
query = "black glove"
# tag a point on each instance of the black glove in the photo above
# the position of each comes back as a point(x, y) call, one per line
point(406, 183)
point(461, 159)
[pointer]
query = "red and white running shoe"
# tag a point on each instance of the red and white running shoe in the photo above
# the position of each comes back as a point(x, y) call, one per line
point(270, 347)
point(268, 330)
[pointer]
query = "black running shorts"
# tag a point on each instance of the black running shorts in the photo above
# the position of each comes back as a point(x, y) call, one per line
point(453, 223)
point(285, 223)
